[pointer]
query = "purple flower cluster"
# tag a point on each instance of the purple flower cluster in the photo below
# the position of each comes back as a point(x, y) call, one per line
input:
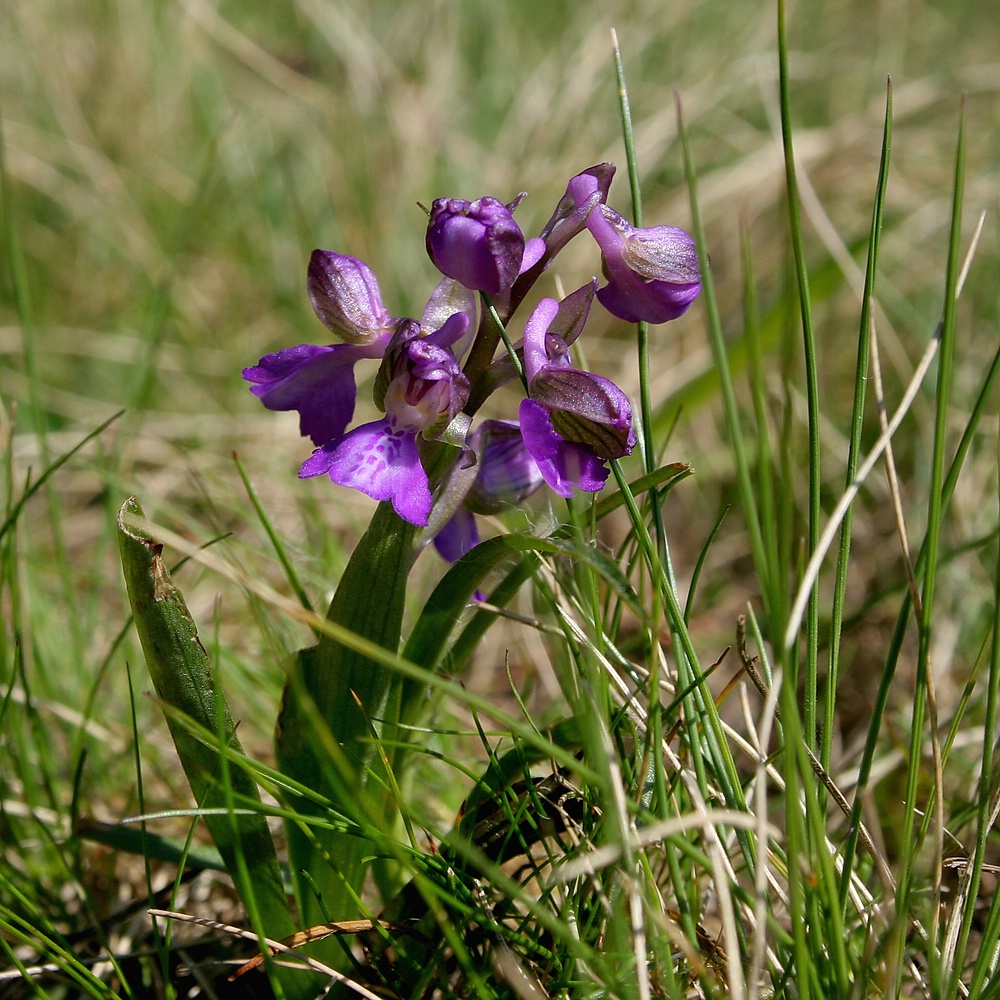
point(435, 374)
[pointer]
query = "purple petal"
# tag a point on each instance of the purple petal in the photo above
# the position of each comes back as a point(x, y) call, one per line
point(633, 300)
point(458, 536)
point(573, 312)
point(584, 193)
point(535, 355)
point(534, 251)
point(316, 381)
point(380, 462)
point(565, 465)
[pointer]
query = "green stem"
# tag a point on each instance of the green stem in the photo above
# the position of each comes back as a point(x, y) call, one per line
point(812, 379)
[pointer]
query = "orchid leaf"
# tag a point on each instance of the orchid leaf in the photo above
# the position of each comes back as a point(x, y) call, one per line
point(430, 640)
point(326, 723)
point(182, 675)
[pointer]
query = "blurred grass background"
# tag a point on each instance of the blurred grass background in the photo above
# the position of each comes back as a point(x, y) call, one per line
point(169, 166)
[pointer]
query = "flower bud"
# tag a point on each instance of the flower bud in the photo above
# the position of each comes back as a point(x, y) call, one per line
point(477, 243)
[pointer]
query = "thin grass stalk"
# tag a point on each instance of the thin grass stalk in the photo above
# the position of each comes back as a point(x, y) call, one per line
point(242, 877)
point(766, 571)
point(276, 543)
point(645, 403)
point(857, 425)
point(88, 905)
point(935, 510)
point(812, 378)
point(899, 631)
point(702, 726)
point(649, 454)
point(795, 845)
point(764, 458)
point(984, 824)
point(985, 979)
point(159, 939)
point(700, 565)
point(17, 929)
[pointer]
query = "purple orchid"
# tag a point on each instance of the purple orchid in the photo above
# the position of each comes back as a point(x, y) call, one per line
point(573, 421)
point(652, 273)
point(421, 388)
point(319, 381)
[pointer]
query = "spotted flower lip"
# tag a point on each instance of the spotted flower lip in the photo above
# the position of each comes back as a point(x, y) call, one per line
point(652, 273)
point(477, 243)
point(379, 459)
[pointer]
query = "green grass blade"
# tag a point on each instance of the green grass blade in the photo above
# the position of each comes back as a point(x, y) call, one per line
point(273, 537)
point(857, 423)
point(721, 370)
point(984, 820)
point(935, 510)
point(811, 374)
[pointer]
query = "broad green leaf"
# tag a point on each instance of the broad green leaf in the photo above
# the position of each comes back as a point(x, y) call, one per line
point(182, 676)
point(130, 839)
point(332, 700)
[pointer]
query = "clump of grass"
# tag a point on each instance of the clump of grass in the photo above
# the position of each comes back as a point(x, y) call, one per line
point(812, 815)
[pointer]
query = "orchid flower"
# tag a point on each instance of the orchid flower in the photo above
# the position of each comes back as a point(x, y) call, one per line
point(421, 388)
point(652, 273)
point(572, 421)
